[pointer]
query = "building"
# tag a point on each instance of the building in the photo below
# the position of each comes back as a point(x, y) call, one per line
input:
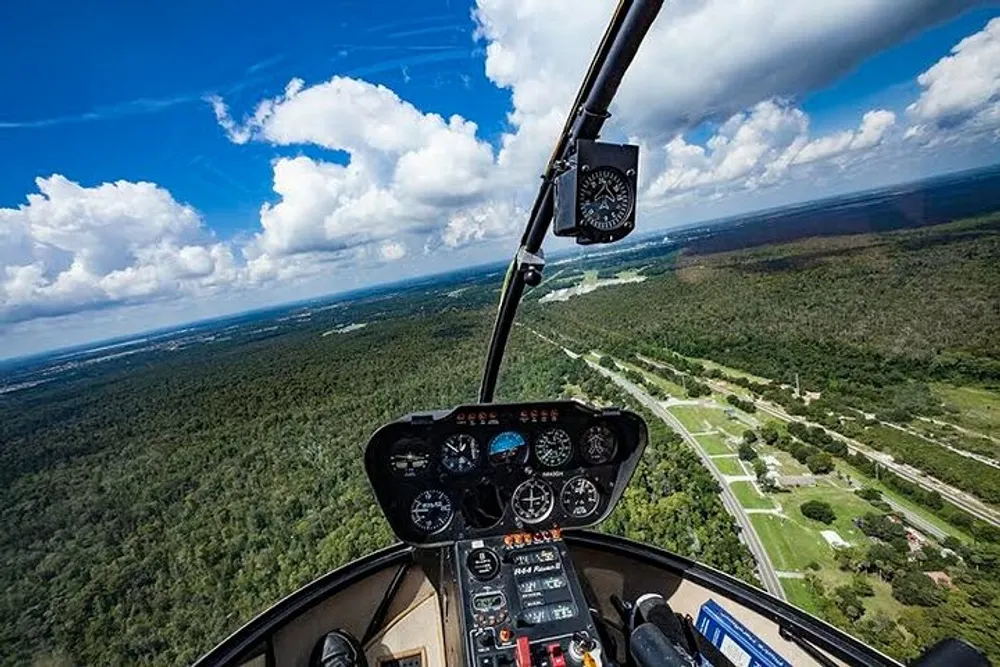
point(792, 481)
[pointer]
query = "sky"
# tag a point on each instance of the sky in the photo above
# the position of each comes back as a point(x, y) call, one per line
point(165, 162)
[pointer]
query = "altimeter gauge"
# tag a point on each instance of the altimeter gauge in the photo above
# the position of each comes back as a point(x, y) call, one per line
point(460, 453)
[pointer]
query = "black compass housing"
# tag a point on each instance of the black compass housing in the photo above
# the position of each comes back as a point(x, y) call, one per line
point(595, 198)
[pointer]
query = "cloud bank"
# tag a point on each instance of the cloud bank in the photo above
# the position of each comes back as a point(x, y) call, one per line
point(401, 183)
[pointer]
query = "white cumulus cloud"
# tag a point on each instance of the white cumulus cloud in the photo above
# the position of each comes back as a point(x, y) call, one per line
point(72, 247)
point(962, 90)
point(408, 174)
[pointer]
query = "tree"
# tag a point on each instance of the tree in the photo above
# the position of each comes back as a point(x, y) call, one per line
point(820, 463)
point(769, 432)
point(848, 602)
point(818, 511)
point(916, 588)
point(607, 362)
point(747, 452)
point(869, 494)
point(749, 437)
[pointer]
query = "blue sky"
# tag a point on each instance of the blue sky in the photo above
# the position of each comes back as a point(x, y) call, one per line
point(107, 95)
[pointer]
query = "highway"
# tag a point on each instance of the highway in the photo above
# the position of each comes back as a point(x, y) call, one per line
point(959, 498)
point(765, 568)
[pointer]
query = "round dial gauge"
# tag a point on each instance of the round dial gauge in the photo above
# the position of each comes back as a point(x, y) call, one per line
point(532, 501)
point(598, 444)
point(409, 459)
point(579, 497)
point(553, 447)
point(508, 447)
point(460, 453)
point(431, 511)
point(605, 198)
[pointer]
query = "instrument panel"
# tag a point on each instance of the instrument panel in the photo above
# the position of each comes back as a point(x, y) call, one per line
point(481, 470)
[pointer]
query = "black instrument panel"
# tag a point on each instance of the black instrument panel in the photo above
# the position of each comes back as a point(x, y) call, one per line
point(492, 469)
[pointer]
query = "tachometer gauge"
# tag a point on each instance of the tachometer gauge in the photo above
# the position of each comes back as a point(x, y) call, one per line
point(553, 447)
point(579, 497)
point(598, 444)
point(460, 453)
point(508, 447)
point(605, 198)
point(431, 511)
point(532, 501)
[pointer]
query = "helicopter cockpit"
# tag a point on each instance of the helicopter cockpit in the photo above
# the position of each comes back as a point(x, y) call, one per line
point(493, 486)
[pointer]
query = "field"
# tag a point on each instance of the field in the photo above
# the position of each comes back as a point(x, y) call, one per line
point(714, 444)
point(976, 408)
point(749, 498)
point(728, 465)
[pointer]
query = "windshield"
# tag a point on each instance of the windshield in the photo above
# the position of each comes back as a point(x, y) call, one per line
point(233, 244)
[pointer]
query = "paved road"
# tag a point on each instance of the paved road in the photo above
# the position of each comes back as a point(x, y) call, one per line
point(966, 501)
point(764, 567)
point(916, 520)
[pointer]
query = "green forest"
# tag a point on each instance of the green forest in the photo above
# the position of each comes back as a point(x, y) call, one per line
point(156, 507)
point(152, 504)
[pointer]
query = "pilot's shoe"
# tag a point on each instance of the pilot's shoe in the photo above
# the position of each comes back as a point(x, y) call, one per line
point(338, 649)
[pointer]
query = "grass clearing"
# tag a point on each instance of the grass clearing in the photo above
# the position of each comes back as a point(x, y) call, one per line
point(845, 503)
point(729, 465)
point(748, 497)
point(800, 595)
point(790, 545)
point(978, 408)
point(714, 444)
point(694, 417)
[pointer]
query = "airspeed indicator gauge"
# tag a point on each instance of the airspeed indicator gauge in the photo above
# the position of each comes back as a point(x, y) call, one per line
point(605, 198)
point(431, 511)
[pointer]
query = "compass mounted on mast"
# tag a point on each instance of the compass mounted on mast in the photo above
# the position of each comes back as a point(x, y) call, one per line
point(596, 195)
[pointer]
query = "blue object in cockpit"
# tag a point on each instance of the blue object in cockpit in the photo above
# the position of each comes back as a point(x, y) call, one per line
point(509, 446)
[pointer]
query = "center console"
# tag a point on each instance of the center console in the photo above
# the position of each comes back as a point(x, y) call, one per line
point(522, 603)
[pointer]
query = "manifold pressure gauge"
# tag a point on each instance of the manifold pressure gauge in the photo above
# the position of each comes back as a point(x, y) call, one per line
point(595, 197)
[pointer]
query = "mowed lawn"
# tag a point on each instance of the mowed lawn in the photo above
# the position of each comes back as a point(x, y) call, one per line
point(729, 465)
point(794, 541)
point(694, 417)
point(790, 545)
point(748, 497)
point(714, 444)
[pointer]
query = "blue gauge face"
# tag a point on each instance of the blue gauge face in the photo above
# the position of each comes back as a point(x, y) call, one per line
point(508, 447)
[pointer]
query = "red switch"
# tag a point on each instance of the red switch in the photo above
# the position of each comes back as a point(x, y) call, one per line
point(523, 652)
point(556, 657)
